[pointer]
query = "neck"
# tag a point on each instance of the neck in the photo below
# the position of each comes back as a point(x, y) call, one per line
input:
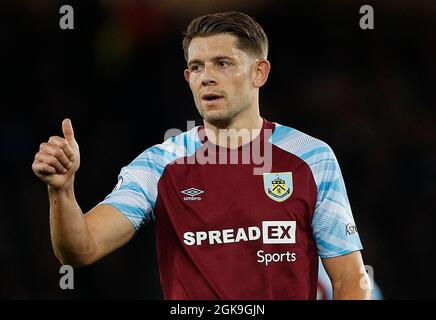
point(232, 134)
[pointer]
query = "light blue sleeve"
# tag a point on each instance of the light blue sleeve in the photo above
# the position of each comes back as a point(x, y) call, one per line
point(136, 192)
point(333, 225)
point(137, 189)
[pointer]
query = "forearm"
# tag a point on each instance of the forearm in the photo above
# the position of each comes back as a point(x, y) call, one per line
point(72, 242)
point(352, 288)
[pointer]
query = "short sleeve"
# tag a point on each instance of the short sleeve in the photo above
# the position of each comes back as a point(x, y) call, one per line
point(130, 198)
point(136, 192)
point(333, 224)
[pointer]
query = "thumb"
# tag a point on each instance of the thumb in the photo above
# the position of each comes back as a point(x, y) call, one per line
point(67, 129)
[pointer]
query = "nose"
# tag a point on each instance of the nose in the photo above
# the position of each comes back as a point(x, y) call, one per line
point(208, 82)
point(208, 78)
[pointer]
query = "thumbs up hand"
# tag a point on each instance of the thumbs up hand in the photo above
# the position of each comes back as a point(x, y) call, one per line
point(57, 160)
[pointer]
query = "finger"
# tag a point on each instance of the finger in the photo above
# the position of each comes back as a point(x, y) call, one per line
point(67, 129)
point(42, 168)
point(56, 152)
point(64, 145)
point(52, 161)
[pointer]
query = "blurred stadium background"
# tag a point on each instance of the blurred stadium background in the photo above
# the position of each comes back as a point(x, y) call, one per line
point(119, 76)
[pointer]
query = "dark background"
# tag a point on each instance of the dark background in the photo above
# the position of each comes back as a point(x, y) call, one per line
point(119, 76)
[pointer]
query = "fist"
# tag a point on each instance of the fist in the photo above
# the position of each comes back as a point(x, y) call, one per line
point(58, 159)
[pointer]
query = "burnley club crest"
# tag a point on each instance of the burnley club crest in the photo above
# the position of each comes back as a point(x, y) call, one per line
point(278, 185)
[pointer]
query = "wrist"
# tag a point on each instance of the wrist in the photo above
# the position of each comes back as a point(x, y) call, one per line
point(66, 190)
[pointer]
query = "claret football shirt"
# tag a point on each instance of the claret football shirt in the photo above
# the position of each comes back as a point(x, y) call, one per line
point(231, 227)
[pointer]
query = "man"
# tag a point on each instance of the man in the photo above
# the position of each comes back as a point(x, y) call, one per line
point(223, 230)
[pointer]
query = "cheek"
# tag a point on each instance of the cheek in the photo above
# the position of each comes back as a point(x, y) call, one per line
point(193, 82)
point(241, 84)
point(235, 72)
point(236, 77)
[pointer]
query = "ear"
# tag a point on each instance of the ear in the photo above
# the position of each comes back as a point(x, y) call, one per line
point(187, 74)
point(261, 72)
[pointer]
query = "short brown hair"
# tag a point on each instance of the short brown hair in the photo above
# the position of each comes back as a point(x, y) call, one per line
point(249, 33)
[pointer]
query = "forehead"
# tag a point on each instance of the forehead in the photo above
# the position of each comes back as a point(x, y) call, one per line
point(204, 48)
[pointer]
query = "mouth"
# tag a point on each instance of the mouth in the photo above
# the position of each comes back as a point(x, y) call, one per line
point(210, 97)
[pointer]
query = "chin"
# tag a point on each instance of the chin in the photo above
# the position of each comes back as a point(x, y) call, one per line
point(217, 117)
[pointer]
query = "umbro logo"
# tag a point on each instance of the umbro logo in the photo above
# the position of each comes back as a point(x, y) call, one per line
point(192, 194)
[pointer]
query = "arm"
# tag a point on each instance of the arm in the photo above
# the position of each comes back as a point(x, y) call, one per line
point(80, 240)
point(77, 239)
point(334, 229)
point(349, 280)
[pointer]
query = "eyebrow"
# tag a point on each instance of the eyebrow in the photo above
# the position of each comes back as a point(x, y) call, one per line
point(214, 59)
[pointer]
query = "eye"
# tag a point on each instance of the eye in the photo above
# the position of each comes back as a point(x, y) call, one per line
point(195, 68)
point(223, 64)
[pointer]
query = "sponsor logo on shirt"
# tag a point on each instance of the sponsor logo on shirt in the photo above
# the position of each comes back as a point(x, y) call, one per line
point(350, 229)
point(271, 232)
point(281, 232)
point(267, 258)
point(192, 194)
point(278, 185)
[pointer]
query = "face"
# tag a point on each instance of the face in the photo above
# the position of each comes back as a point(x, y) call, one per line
point(221, 78)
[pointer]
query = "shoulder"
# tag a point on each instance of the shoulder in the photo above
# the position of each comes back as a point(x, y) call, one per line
point(158, 156)
point(310, 149)
point(179, 145)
